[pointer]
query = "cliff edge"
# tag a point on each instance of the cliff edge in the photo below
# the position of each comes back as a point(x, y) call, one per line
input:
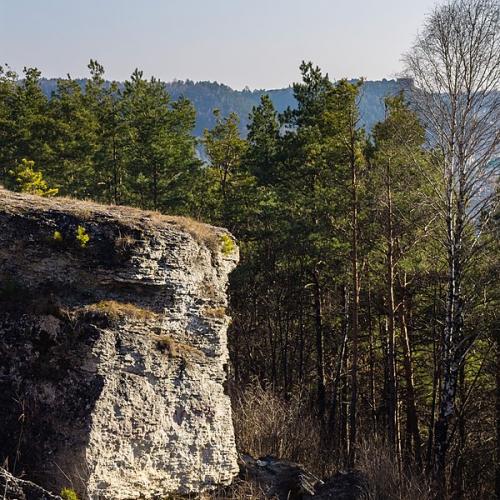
point(113, 349)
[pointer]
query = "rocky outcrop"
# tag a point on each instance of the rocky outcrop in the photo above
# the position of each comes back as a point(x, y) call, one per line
point(113, 349)
point(285, 480)
point(13, 488)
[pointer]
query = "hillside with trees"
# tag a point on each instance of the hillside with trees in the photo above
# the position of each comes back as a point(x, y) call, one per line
point(207, 96)
point(365, 325)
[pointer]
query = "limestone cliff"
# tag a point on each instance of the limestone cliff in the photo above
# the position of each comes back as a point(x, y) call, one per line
point(113, 349)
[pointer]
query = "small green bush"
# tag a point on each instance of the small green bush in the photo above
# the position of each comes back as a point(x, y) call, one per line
point(57, 236)
point(81, 236)
point(228, 245)
point(69, 494)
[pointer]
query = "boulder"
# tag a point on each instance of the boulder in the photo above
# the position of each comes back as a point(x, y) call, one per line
point(285, 480)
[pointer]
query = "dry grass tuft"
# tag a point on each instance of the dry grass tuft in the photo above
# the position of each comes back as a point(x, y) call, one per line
point(214, 312)
point(202, 233)
point(208, 290)
point(176, 349)
point(384, 477)
point(239, 490)
point(266, 424)
point(124, 242)
point(115, 310)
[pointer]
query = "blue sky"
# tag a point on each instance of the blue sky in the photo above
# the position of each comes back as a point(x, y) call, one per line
point(256, 43)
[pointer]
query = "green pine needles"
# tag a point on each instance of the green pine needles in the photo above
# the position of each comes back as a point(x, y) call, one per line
point(82, 237)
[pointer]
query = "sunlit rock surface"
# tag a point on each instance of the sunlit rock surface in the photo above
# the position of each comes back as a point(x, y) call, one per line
point(113, 349)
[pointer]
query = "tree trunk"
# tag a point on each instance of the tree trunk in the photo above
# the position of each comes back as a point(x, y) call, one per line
point(457, 471)
point(355, 304)
point(336, 396)
point(301, 341)
point(435, 384)
point(412, 430)
point(155, 188)
point(391, 312)
point(373, 402)
point(320, 363)
point(452, 354)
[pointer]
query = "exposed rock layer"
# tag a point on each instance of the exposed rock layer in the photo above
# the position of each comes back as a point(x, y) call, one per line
point(112, 350)
point(284, 480)
point(13, 488)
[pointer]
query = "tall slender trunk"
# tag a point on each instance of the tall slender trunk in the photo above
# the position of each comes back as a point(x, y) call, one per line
point(447, 403)
point(320, 363)
point(223, 182)
point(336, 396)
point(116, 180)
point(454, 346)
point(382, 327)
point(412, 430)
point(273, 349)
point(373, 402)
point(392, 432)
point(343, 427)
point(283, 349)
point(343, 417)
point(355, 304)
point(435, 384)
point(301, 341)
point(458, 465)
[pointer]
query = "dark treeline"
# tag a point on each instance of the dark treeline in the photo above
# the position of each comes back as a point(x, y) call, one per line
point(367, 292)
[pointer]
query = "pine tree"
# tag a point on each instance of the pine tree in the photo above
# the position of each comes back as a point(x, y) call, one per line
point(73, 141)
point(263, 140)
point(26, 179)
point(225, 150)
point(160, 150)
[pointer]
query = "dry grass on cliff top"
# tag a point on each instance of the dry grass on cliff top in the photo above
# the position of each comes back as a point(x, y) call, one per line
point(132, 217)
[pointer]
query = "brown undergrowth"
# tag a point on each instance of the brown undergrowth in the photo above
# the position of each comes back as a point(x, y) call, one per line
point(268, 424)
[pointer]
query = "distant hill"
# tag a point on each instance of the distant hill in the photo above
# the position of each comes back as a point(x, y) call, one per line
point(209, 95)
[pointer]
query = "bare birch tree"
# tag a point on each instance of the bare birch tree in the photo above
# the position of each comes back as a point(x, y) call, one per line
point(455, 68)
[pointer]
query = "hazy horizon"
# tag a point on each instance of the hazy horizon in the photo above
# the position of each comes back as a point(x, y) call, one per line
point(236, 43)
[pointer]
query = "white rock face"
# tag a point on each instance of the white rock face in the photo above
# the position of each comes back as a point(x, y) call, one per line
point(119, 353)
